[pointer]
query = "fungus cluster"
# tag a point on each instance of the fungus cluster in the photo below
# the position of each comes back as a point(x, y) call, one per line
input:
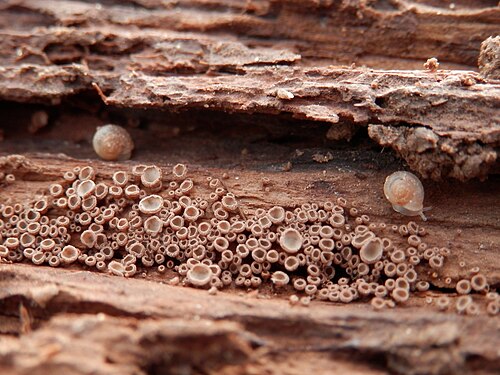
point(151, 218)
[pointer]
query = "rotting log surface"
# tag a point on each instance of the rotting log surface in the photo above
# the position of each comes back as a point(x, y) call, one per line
point(145, 326)
point(189, 56)
point(252, 58)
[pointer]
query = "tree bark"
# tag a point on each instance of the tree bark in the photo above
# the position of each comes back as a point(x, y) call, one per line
point(265, 94)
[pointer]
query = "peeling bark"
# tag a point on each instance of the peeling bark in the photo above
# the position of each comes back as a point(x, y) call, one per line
point(184, 68)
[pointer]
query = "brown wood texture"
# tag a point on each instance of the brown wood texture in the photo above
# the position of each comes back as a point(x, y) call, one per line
point(143, 326)
point(117, 325)
point(246, 57)
point(251, 89)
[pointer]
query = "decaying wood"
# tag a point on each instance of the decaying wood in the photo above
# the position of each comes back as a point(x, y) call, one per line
point(172, 65)
point(145, 327)
point(472, 230)
point(489, 58)
point(383, 33)
point(254, 89)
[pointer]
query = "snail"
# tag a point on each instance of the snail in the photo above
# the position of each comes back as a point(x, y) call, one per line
point(112, 142)
point(406, 194)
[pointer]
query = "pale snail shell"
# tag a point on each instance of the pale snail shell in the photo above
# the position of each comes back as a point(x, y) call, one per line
point(406, 193)
point(112, 142)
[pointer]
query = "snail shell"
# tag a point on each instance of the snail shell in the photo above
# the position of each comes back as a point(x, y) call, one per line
point(406, 193)
point(112, 142)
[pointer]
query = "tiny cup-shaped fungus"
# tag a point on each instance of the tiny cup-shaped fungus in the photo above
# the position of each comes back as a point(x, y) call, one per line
point(153, 225)
point(47, 244)
point(27, 240)
point(186, 185)
point(179, 170)
point(136, 249)
point(406, 193)
point(443, 302)
point(151, 176)
point(276, 214)
point(120, 178)
point(88, 238)
point(112, 142)
point(371, 251)
point(101, 190)
point(40, 206)
point(229, 202)
point(291, 240)
point(291, 263)
point(69, 254)
point(86, 173)
point(116, 268)
point(337, 220)
point(199, 275)
point(151, 204)
point(56, 190)
point(89, 203)
point(132, 191)
point(85, 188)
point(478, 282)
point(463, 287)
point(279, 278)
point(400, 294)
point(191, 213)
point(462, 303)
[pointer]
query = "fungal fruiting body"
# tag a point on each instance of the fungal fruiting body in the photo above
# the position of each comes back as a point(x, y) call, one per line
point(143, 219)
point(112, 142)
point(406, 193)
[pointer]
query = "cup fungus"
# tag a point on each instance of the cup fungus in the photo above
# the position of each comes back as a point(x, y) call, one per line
point(69, 254)
point(400, 294)
point(120, 178)
point(151, 204)
point(151, 176)
point(478, 282)
point(493, 308)
point(4, 251)
point(276, 214)
point(27, 240)
point(214, 243)
point(88, 238)
point(371, 251)
point(47, 244)
point(112, 142)
point(463, 287)
point(86, 173)
point(89, 203)
point(179, 170)
point(191, 214)
point(153, 225)
point(229, 203)
point(291, 240)
point(200, 275)
point(462, 303)
point(280, 278)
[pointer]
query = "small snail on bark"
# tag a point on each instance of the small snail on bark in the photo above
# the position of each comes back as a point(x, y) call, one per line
point(406, 193)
